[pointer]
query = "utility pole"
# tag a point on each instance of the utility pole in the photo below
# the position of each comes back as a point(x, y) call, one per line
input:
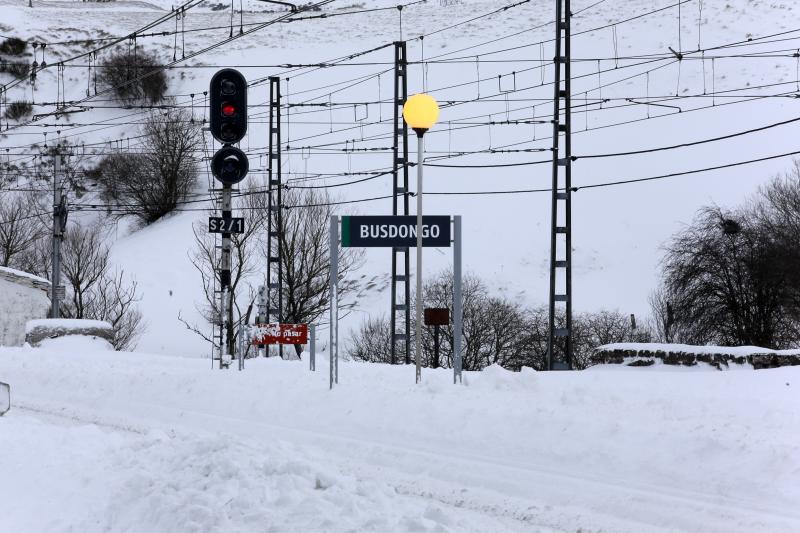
point(275, 209)
point(559, 340)
point(225, 280)
point(59, 224)
point(400, 329)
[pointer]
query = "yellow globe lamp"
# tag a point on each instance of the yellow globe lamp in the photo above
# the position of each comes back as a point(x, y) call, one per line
point(421, 112)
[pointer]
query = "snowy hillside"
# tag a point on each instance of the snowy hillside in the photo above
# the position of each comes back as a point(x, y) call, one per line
point(115, 441)
point(742, 79)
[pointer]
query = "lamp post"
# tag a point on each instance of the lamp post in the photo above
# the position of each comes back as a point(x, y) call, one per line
point(420, 112)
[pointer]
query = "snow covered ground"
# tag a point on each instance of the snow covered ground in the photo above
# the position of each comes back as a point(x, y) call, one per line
point(109, 441)
point(105, 441)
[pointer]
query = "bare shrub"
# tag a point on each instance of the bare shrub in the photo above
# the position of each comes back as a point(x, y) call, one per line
point(306, 260)
point(372, 341)
point(493, 329)
point(136, 75)
point(19, 109)
point(496, 331)
point(113, 300)
point(728, 288)
point(13, 46)
point(150, 185)
point(18, 69)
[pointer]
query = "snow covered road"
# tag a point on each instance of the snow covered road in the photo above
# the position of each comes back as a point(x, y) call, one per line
point(134, 442)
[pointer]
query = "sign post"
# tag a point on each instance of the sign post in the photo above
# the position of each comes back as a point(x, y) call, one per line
point(333, 325)
point(396, 231)
point(457, 300)
point(312, 361)
point(436, 317)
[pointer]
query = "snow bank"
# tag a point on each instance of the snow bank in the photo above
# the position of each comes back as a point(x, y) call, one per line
point(12, 272)
point(562, 451)
point(179, 482)
point(76, 344)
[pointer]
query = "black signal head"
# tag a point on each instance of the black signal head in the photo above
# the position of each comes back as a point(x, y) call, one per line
point(229, 165)
point(228, 106)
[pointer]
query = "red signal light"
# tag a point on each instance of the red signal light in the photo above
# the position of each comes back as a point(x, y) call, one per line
point(228, 109)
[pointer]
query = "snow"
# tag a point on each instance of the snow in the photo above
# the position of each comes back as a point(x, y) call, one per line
point(182, 482)
point(70, 344)
point(66, 323)
point(146, 442)
point(22, 274)
point(139, 442)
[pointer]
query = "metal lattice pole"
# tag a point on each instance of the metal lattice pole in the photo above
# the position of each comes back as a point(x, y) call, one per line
point(559, 341)
point(400, 329)
point(275, 215)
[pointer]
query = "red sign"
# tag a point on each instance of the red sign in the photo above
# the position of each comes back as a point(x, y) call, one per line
point(280, 334)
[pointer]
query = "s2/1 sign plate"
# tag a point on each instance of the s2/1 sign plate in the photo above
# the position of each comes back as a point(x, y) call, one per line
point(220, 225)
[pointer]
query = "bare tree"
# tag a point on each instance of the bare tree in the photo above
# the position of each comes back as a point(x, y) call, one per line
point(84, 261)
point(493, 329)
point(95, 291)
point(151, 184)
point(113, 300)
point(496, 331)
point(306, 261)
point(37, 258)
point(777, 211)
point(723, 283)
point(20, 227)
point(304, 242)
point(664, 326)
point(206, 260)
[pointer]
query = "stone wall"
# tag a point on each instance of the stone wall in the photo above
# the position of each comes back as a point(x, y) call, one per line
point(682, 355)
point(39, 330)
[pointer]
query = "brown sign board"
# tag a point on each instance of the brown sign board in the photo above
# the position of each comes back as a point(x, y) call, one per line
point(280, 334)
point(437, 316)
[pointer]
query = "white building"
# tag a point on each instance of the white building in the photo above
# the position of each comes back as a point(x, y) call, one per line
point(23, 297)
